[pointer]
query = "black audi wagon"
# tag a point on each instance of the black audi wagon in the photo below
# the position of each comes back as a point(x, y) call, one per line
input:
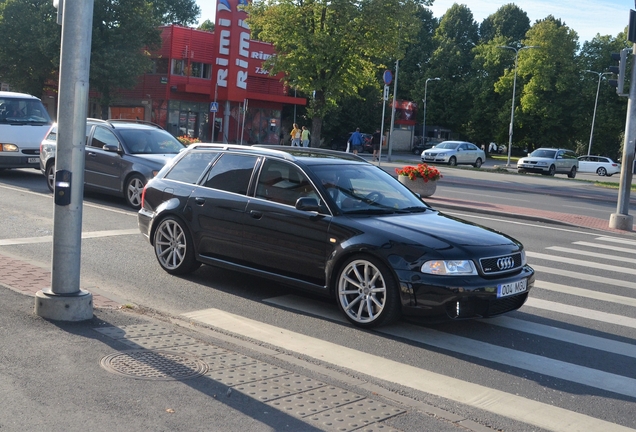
point(331, 223)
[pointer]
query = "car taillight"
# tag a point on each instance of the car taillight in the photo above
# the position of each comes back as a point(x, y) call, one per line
point(143, 195)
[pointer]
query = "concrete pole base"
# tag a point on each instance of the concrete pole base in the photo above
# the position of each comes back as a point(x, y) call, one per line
point(70, 307)
point(621, 222)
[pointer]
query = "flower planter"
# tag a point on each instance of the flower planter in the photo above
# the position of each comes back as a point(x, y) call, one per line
point(425, 189)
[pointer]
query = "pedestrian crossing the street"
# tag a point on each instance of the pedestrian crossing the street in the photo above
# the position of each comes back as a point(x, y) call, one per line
point(563, 362)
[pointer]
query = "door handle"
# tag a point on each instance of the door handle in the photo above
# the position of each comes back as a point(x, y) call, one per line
point(256, 214)
point(199, 200)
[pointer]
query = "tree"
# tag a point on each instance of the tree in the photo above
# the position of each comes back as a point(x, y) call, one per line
point(206, 25)
point(30, 48)
point(180, 12)
point(332, 49)
point(509, 21)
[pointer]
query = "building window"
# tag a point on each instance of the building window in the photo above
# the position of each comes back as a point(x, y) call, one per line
point(160, 66)
point(178, 67)
point(200, 70)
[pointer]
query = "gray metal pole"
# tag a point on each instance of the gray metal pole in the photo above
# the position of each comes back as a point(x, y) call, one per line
point(598, 88)
point(381, 131)
point(65, 301)
point(621, 219)
point(397, 67)
point(424, 121)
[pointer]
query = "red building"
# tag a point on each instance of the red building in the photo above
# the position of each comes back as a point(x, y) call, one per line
point(201, 78)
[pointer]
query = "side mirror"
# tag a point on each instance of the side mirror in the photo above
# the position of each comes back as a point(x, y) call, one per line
point(111, 148)
point(307, 204)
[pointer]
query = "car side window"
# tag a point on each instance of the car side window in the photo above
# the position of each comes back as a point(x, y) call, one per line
point(192, 166)
point(283, 183)
point(102, 137)
point(231, 173)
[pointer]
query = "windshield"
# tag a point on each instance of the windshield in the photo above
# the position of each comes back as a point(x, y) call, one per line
point(25, 111)
point(366, 189)
point(543, 153)
point(447, 145)
point(150, 141)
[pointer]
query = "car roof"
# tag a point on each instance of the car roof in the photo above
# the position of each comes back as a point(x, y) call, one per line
point(306, 155)
point(125, 123)
point(8, 94)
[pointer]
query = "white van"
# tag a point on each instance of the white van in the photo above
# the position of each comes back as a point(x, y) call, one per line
point(23, 124)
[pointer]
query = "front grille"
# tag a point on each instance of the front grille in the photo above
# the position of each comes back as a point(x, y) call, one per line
point(31, 152)
point(501, 264)
point(506, 304)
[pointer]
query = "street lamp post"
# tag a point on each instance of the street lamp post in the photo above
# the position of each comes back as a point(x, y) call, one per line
point(424, 100)
point(514, 89)
point(598, 88)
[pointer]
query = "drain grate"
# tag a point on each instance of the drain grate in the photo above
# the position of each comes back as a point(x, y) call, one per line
point(154, 365)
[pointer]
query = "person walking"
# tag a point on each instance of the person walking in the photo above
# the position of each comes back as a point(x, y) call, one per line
point(295, 136)
point(356, 139)
point(305, 136)
point(377, 139)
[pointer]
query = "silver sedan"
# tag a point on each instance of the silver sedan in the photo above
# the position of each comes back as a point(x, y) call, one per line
point(455, 153)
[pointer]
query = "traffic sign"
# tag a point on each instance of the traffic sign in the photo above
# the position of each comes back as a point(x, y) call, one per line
point(214, 107)
point(386, 93)
point(388, 77)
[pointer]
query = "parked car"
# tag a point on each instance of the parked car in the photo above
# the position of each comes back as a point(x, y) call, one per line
point(455, 153)
point(419, 146)
point(550, 161)
point(331, 223)
point(600, 165)
point(120, 157)
point(340, 142)
point(23, 124)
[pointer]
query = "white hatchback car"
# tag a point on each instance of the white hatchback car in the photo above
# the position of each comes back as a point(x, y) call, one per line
point(24, 122)
point(600, 165)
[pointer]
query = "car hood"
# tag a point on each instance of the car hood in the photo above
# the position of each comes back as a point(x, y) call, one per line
point(24, 135)
point(439, 231)
point(439, 151)
point(534, 159)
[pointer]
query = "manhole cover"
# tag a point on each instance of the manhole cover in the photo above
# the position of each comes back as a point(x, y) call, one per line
point(154, 365)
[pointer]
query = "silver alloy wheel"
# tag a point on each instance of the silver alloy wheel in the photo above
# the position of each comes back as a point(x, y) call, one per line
point(362, 291)
point(170, 244)
point(134, 188)
point(50, 176)
point(452, 161)
point(601, 171)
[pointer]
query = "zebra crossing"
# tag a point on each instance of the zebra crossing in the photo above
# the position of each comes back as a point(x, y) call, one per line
point(581, 312)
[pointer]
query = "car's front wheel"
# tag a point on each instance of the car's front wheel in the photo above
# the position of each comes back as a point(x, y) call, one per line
point(601, 171)
point(49, 172)
point(552, 171)
point(572, 172)
point(174, 248)
point(132, 190)
point(367, 292)
point(452, 161)
point(477, 163)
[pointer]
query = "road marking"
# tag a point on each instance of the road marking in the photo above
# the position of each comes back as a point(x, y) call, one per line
point(582, 312)
point(498, 402)
point(586, 277)
point(581, 292)
point(85, 235)
point(592, 254)
point(588, 264)
point(618, 240)
point(603, 246)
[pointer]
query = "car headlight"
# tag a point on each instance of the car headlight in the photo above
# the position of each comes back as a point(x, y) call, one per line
point(449, 268)
point(10, 147)
point(523, 258)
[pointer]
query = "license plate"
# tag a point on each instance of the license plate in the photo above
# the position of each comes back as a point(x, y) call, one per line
point(505, 290)
point(429, 157)
point(33, 160)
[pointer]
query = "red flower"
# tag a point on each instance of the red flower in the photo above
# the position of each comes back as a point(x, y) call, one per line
point(422, 171)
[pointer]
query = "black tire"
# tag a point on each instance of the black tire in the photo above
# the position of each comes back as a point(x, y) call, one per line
point(417, 151)
point(133, 188)
point(367, 292)
point(572, 172)
point(478, 163)
point(452, 161)
point(552, 171)
point(49, 173)
point(601, 171)
point(174, 248)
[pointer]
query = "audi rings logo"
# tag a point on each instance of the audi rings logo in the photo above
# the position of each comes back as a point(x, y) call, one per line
point(505, 263)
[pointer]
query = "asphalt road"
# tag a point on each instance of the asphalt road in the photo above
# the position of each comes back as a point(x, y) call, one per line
point(562, 362)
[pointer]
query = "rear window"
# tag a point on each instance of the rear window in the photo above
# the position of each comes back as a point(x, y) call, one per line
point(191, 166)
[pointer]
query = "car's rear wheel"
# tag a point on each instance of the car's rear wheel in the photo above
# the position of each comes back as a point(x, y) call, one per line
point(417, 151)
point(572, 172)
point(552, 171)
point(174, 248)
point(367, 292)
point(452, 161)
point(601, 171)
point(477, 163)
point(132, 190)
point(49, 172)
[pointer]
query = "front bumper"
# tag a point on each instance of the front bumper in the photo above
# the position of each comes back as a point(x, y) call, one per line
point(19, 160)
point(450, 298)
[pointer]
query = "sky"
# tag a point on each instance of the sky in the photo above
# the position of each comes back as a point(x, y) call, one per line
point(586, 17)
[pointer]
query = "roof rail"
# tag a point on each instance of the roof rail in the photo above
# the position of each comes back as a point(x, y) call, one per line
point(133, 121)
